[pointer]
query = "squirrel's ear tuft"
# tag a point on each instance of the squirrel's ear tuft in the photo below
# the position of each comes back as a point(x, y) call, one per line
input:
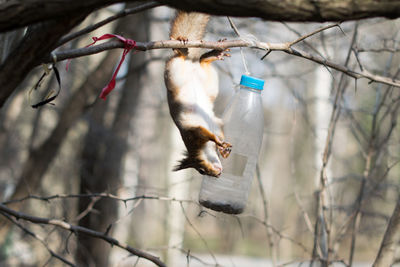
point(184, 164)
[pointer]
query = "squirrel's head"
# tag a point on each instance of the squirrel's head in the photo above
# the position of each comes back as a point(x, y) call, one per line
point(206, 161)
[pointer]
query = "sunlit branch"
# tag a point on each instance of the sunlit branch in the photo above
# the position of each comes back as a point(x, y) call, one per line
point(283, 47)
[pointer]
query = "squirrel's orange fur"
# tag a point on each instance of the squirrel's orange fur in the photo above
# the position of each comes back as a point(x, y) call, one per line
point(192, 86)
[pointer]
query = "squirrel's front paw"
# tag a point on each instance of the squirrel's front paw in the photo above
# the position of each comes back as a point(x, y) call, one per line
point(222, 54)
point(215, 54)
point(225, 149)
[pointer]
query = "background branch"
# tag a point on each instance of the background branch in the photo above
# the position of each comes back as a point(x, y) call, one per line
point(82, 230)
point(123, 13)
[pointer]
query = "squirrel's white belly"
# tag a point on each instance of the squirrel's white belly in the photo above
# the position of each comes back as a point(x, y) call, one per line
point(196, 90)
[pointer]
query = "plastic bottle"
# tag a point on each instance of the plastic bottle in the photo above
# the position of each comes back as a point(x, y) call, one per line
point(243, 128)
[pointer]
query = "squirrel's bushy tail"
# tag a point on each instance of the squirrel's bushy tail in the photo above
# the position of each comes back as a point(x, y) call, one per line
point(190, 26)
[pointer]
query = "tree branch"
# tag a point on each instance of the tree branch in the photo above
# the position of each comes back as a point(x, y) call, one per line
point(284, 47)
point(289, 10)
point(19, 13)
point(82, 230)
point(40, 239)
point(38, 42)
point(96, 195)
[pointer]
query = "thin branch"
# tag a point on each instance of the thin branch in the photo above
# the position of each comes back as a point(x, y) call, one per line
point(277, 232)
point(233, 26)
point(79, 229)
point(313, 33)
point(181, 201)
point(96, 195)
point(236, 30)
point(87, 210)
point(321, 223)
point(378, 50)
point(374, 147)
point(198, 233)
point(283, 47)
point(123, 13)
point(270, 235)
point(40, 239)
point(304, 41)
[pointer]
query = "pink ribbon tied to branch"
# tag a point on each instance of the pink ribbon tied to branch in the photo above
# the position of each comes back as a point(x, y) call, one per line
point(129, 45)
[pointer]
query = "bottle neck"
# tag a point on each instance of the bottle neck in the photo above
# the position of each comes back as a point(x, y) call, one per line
point(242, 87)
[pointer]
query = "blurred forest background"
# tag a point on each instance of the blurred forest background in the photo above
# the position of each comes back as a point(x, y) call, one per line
point(328, 178)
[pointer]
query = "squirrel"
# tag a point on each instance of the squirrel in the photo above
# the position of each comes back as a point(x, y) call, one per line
point(192, 87)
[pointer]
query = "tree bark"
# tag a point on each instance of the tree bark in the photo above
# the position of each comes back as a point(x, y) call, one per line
point(300, 11)
point(17, 13)
point(105, 150)
point(37, 43)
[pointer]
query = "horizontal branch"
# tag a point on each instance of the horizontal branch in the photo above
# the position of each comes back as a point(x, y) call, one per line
point(79, 229)
point(284, 47)
point(289, 10)
point(95, 195)
point(19, 13)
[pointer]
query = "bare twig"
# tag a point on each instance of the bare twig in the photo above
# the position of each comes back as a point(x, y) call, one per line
point(87, 210)
point(236, 30)
point(322, 224)
point(270, 235)
point(198, 233)
point(374, 147)
point(40, 239)
point(304, 41)
point(302, 38)
point(82, 230)
point(378, 50)
point(99, 24)
point(96, 195)
point(277, 232)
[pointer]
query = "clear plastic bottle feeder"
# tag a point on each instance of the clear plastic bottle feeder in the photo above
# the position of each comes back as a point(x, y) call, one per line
point(243, 128)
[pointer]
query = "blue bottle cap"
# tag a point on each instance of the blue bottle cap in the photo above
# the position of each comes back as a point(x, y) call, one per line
point(252, 82)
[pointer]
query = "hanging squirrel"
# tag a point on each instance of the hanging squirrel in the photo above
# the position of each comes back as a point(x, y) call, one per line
point(192, 87)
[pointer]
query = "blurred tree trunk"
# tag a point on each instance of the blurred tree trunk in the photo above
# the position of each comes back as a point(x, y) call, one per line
point(179, 188)
point(322, 111)
point(41, 157)
point(390, 240)
point(39, 40)
point(8, 41)
point(105, 148)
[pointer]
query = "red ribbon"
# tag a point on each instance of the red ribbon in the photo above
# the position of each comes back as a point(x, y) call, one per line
point(129, 45)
